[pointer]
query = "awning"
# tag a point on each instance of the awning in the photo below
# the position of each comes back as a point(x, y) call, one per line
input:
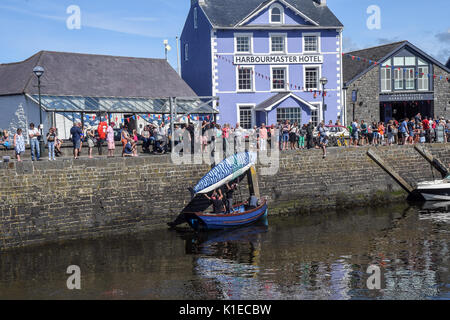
point(268, 104)
point(197, 105)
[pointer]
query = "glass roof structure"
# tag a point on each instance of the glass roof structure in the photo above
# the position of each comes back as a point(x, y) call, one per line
point(197, 105)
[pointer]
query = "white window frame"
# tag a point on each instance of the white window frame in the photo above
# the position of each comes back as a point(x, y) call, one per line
point(285, 49)
point(318, 36)
point(186, 52)
point(279, 6)
point(408, 78)
point(318, 66)
point(286, 77)
point(250, 36)
point(386, 80)
point(399, 80)
point(238, 112)
point(291, 120)
point(195, 18)
point(423, 79)
point(252, 79)
point(318, 110)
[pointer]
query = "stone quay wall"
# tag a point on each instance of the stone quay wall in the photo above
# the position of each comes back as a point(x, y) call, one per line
point(43, 202)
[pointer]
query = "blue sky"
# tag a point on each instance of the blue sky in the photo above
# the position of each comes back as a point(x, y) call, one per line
point(137, 28)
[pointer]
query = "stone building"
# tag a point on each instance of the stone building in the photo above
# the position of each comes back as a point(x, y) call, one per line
point(264, 59)
point(394, 81)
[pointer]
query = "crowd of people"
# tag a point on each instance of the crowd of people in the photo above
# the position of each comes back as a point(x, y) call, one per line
point(292, 136)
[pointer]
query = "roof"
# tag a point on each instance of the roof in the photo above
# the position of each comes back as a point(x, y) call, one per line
point(268, 104)
point(353, 69)
point(93, 75)
point(230, 12)
point(448, 63)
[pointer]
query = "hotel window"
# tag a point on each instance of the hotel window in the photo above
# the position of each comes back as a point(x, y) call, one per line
point(386, 82)
point(291, 114)
point(315, 116)
point(195, 18)
point(276, 14)
point(246, 117)
point(245, 79)
point(409, 79)
point(279, 78)
point(422, 80)
point(186, 49)
point(311, 43)
point(398, 79)
point(311, 78)
point(243, 44)
point(277, 43)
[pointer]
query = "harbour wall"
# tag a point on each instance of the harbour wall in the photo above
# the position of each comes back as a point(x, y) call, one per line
point(43, 202)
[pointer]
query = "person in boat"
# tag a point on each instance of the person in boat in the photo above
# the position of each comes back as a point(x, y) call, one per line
point(229, 196)
point(217, 202)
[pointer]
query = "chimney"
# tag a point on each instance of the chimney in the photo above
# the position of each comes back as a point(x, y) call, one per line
point(322, 3)
point(194, 2)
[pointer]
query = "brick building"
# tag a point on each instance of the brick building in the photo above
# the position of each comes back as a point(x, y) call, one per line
point(394, 81)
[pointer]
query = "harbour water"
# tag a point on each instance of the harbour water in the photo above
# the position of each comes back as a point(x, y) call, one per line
point(318, 256)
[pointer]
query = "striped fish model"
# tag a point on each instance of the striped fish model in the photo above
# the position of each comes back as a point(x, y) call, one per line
point(226, 171)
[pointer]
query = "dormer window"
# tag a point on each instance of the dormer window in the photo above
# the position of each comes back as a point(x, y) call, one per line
point(276, 14)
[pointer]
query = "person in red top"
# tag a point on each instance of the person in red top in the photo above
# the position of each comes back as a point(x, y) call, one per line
point(101, 130)
point(426, 128)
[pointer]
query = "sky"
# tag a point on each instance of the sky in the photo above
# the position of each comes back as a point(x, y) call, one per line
point(137, 28)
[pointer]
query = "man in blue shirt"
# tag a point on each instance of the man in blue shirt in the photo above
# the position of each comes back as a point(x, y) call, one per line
point(404, 130)
point(76, 138)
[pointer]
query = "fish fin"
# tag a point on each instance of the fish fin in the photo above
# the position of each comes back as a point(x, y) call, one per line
point(192, 192)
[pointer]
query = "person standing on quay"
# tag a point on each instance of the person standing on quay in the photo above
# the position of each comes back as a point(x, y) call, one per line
point(323, 138)
point(102, 127)
point(90, 135)
point(33, 134)
point(19, 144)
point(110, 139)
point(51, 138)
point(263, 137)
point(76, 138)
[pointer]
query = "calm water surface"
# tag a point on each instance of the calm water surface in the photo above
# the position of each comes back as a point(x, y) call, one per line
point(317, 256)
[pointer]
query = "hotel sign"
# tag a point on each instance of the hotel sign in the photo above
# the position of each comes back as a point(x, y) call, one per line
point(278, 59)
point(406, 97)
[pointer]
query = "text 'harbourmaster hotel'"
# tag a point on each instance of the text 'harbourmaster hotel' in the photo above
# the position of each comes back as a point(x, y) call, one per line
point(264, 59)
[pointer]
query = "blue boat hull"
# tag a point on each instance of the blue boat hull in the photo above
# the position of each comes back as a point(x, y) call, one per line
point(202, 221)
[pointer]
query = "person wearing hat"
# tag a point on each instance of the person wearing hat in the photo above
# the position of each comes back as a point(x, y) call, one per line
point(110, 139)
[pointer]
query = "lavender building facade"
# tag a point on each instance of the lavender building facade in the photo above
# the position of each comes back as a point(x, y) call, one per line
point(264, 59)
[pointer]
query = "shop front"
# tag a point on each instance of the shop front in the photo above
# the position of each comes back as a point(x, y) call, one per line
point(400, 106)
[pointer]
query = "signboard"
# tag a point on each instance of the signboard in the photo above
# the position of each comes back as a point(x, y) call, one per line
point(278, 59)
point(406, 97)
point(354, 95)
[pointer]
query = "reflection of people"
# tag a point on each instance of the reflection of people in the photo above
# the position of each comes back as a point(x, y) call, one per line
point(216, 200)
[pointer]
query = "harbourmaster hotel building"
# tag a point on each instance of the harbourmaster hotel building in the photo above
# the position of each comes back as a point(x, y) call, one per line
point(264, 59)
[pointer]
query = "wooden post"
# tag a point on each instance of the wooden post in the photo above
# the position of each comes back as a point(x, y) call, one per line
point(405, 185)
point(253, 185)
point(432, 160)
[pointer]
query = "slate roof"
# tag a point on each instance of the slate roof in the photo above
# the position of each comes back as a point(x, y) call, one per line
point(280, 97)
point(352, 68)
point(93, 75)
point(227, 13)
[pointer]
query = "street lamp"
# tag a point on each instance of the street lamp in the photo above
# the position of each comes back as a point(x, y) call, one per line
point(167, 47)
point(323, 82)
point(39, 72)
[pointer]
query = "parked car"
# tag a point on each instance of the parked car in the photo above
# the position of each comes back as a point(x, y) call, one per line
point(337, 135)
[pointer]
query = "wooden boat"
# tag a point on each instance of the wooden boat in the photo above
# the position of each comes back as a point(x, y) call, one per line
point(243, 215)
point(234, 168)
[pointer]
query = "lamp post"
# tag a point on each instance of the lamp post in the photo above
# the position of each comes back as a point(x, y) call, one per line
point(167, 47)
point(39, 72)
point(323, 82)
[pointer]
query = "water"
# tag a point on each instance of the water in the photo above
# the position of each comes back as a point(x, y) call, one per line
point(317, 256)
